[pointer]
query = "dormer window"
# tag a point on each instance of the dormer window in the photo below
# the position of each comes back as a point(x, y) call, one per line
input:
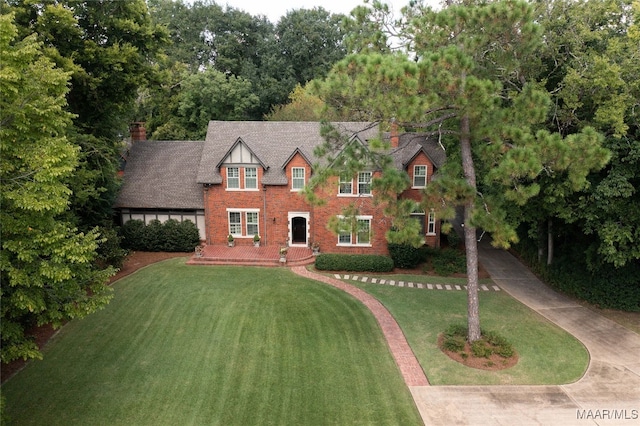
point(364, 183)
point(233, 178)
point(297, 178)
point(242, 178)
point(250, 178)
point(419, 176)
point(346, 185)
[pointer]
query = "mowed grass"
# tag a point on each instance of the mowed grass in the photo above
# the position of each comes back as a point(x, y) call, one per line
point(548, 354)
point(217, 346)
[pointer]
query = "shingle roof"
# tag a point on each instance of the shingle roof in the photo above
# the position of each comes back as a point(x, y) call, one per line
point(411, 144)
point(162, 175)
point(273, 142)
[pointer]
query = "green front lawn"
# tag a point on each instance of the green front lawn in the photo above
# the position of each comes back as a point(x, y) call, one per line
point(215, 345)
point(548, 354)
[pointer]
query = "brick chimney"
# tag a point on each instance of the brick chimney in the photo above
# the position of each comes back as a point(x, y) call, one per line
point(394, 138)
point(137, 131)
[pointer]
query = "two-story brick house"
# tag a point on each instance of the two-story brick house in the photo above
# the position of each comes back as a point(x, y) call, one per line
point(250, 175)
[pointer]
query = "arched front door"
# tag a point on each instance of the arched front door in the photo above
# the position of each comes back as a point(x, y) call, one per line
point(298, 229)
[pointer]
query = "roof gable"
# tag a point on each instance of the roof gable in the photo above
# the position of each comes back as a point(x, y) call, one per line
point(240, 153)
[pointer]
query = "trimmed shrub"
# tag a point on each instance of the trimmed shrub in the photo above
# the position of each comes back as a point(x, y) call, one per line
point(354, 262)
point(132, 234)
point(170, 236)
point(405, 256)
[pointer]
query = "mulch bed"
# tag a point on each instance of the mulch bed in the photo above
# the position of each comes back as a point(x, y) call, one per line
point(42, 334)
point(493, 363)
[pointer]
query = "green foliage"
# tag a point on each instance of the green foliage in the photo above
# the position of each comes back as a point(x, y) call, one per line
point(110, 251)
point(453, 239)
point(47, 267)
point(447, 261)
point(170, 236)
point(607, 286)
point(353, 262)
point(405, 256)
point(110, 49)
point(203, 96)
point(454, 339)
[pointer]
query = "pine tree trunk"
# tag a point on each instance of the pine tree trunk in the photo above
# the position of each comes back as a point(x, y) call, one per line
point(471, 244)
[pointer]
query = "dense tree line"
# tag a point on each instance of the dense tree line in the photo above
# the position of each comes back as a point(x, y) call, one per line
point(225, 64)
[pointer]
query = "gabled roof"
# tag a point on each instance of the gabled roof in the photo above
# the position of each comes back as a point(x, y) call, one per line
point(233, 147)
point(273, 142)
point(411, 144)
point(162, 175)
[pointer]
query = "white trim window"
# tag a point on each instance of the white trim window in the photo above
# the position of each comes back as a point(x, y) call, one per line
point(233, 178)
point(250, 178)
point(419, 216)
point(345, 186)
point(246, 220)
point(361, 236)
point(419, 176)
point(362, 187)
point(235, 223)
point(252, 223)
point(297, 178)
point(364, 183)
point(431, 223)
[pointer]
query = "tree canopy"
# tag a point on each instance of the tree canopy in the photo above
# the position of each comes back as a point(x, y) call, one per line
point(46, 264)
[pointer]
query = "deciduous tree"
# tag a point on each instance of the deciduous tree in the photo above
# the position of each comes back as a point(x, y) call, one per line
point(46, 264)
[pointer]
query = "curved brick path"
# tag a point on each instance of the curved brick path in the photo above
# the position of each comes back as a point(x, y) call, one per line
point(402, 353)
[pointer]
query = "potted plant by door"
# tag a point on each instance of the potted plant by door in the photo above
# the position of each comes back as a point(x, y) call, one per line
point(230, 240)
point(283, 254)
point(256, 240)
point(316, 248)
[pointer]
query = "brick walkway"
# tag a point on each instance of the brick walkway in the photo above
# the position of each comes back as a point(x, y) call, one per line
point(409, 366)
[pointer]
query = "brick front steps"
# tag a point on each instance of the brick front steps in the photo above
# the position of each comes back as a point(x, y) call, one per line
point(246, 255)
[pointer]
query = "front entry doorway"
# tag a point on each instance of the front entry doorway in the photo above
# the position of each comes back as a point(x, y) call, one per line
point(298, 229)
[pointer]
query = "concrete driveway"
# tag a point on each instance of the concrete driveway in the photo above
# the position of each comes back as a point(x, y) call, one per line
point(608, 393)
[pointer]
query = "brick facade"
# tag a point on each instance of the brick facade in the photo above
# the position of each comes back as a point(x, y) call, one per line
point(279, 205)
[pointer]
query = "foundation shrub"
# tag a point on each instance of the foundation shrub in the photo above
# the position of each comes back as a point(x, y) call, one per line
point(406, 256)
point(354, 262)
point(448, 261)
point(170, 236)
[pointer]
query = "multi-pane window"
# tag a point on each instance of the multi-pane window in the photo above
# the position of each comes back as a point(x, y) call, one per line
point(419, 216)
point(243, 222)
point(364, 231)
point(431, 223)
point(361, 235)
point(252, 223)
point(419, 176)
point(344, 238)
point(364, 183)
point(297, 178)
point(346, 185)
point(235, 224)
point(250, 178)
point(233, 178)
